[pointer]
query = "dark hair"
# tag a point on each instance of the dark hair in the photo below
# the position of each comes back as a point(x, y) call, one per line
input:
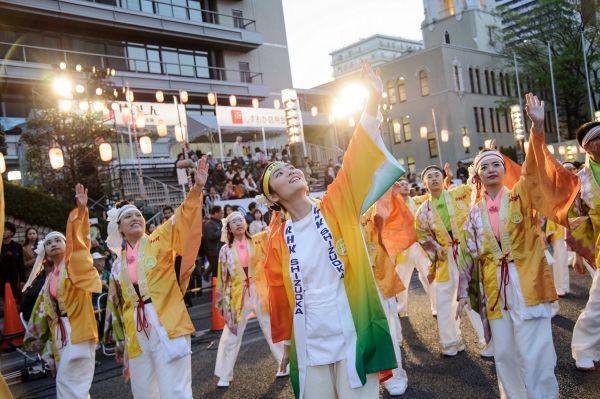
point(584, 129)
point(122, 203)
point(27, 232)
point(215, 209)
point(168, 208)
point(10, 227)
point(251, 206)
point(257, 210)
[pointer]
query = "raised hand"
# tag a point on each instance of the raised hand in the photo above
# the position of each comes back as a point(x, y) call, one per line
point(81, 196)
point(535, 112)
point(201, 174)
point(374, 85)
point(448, 170)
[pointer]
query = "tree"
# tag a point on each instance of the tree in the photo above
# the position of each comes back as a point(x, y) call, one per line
point(78, 136)
point(560, 23)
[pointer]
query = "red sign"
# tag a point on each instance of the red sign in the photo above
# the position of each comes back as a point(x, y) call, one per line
point(236, 117)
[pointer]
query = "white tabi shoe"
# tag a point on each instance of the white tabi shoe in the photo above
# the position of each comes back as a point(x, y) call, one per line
point(585, 365)
point(222, 383)
point(395, 386)
point(488, 351)
point(283, 373)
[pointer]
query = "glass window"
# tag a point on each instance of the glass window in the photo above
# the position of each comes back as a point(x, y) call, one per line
point(397, 130)
point(478, 80)
point(186, 61)
point(493, 120)
point(154, 64)
point(424, 83)
point(487, 81)
point(245, 72)
point(406, 128)
point(476, 115)
point(471, 81)
point(482, 119)
point(171, 62)
point(179, 9)
point(401, 89)
point(137, 59)
point(433, 152)
point(202, 70)
point(165, 9)
point(493, 83)
point(391, 92)
point(412, 167)
point(238, 18)
point(501, 78)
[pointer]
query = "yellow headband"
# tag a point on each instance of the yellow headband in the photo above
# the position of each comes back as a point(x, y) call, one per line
point(267, 175)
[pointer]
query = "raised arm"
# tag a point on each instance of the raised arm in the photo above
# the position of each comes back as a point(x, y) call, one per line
point(78, 259)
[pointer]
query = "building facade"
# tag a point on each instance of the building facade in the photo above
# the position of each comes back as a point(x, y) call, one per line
point(377, 49)
point(228, 47)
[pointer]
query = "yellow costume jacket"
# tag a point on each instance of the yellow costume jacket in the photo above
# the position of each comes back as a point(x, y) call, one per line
point(233, 282)
point(77, 280)
point(157, 279)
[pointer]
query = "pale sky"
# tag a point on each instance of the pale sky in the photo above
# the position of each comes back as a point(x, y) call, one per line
point(317, 27)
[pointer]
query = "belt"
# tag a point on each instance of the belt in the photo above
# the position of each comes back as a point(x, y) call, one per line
point(504, 280)
point(142, 322)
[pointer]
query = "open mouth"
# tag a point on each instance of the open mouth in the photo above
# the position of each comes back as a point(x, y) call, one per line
point(294, 179)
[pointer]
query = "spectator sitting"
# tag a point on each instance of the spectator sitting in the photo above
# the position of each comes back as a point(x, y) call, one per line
point(229, 191)
point(250, 186)
point(212, 197)
point(260, 155)
point(218, 177)
point(212, 162)
point(258, 224)
point(167, 212)
point(230, 171)
point(238, 186)
point(329, 173)
point(250, 214)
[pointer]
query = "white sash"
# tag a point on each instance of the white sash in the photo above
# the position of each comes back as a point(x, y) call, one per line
point(299, 298)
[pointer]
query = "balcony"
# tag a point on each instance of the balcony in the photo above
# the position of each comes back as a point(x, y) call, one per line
point(161, 18)
point(32, 63)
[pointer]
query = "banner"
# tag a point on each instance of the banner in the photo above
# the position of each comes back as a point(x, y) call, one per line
point(251, 117)
point(153, 112)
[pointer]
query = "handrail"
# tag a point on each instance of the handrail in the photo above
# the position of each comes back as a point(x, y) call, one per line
point(243, 22)
point(218, 73)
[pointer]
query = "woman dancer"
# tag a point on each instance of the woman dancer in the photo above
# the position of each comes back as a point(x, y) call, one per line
point(149, 300)
point(504, 268)
point(241, 290)
point(322, 293)
point(62, 326)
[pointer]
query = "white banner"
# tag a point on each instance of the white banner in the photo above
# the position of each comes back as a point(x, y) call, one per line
point(153, 112)
point(250, 117)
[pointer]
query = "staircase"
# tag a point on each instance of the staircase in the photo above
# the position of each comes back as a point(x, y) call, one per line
point(152, 192)
point(320, 156)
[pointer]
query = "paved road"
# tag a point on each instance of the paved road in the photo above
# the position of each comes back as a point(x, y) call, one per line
point(430, 375)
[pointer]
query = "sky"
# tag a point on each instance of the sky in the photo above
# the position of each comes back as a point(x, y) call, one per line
point(317, 27)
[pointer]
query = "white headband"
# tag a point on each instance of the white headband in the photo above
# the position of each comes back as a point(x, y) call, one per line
point(232, 216)
point(114, 238)
point(484, 156)
point(41, 254)
point(591, 135)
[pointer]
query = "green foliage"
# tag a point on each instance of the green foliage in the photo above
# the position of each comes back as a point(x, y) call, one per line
point(558, 22)
point(36, 207)
point(79, 137)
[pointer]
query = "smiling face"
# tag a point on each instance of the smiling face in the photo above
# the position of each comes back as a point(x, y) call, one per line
point(434, 180)
point(491, 172)
point(55, 247)
point(286, 182)
point(132, 225)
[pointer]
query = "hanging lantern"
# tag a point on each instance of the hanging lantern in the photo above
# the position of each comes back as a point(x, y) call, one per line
point(466, 141)
point(314, 111)
point(84, 106)
point(445, 135)
point(423, 132)
point(115, 93)
point(105, 152)
point(550, 148)
point(113, 72)
point(562, 150)
point(161, 128)
point(145, 145)
point(183, 96)
point(160, 96)
point(276, 103)
point(2, 163)
point(140, 120)
point(212, 98)
point(98, 91)
point(62, 66)
point(255, 103)
point(79, 88)
point(129, 95)
point(126, 115)
point(232, 100)
point(179, 135)
point(78, 68)
point(57, 160)
point(114, 106)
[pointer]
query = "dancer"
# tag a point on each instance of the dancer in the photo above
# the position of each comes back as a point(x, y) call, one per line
point(241, 290)
point(504, 270)
point(398, 210)
point(148, 301)
point(322, 293)
point(439, 223)
point(389, 285)
point(62, 326)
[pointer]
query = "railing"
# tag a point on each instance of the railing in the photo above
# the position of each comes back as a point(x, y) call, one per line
point(155, 194)
point(48, 55)
point(192, 11)
point(320, 154)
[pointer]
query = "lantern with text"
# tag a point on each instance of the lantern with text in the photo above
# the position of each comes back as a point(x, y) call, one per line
point(293, 117)
point(517, 122)
point(160, 96)
point(145, 145)
point(232, 100)
point(212, 98)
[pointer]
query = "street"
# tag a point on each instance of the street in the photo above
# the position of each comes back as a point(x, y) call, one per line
point(430, 375)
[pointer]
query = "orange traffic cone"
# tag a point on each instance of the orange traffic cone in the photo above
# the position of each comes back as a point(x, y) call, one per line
point(13, 330)
point(218, 322)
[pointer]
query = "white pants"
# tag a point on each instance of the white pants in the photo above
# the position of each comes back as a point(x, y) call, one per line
point(153, 376)
point(229, 345)
point(414, 258)
point(585, 345)
point(399, 378)
point(75, 367)
point(524, 354)
point(331, 381)
point(561, 266)
point(448, 326)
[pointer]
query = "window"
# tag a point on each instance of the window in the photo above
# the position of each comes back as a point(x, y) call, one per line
point(493, 120)
point(507, 122)
point(493, 83)
point(391, 92)
point(482, 119)
point(238, 19)
point(424, 83)
point(137, 59)
point(477, 78)
point(487, 82)
point(401, 89)
point(432, 144)
point(396, 130)
point(458, 84)
point(447, 37)
point(502, 89)
point(508, 79)
point(497, 112)
point(476, 115)
point(410, 162)
point(471, 81)
point(406, 128)
point(245, 72)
